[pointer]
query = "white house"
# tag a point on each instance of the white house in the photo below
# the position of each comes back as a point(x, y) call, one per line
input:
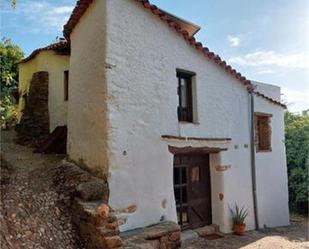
point(175, 130)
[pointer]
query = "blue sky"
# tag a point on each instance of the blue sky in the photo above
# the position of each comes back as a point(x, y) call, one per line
point(266, 40)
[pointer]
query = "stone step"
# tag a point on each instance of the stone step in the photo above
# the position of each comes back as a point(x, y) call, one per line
point(207, 230)
point(189, 235)
point(162, 235)
point(200, 232)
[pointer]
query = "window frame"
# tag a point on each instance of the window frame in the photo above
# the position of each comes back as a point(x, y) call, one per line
point(182, 186)
point(267, 116)
point(66, 85)
point(188, 114)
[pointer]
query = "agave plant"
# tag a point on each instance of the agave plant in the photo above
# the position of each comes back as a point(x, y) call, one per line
point(239, 215)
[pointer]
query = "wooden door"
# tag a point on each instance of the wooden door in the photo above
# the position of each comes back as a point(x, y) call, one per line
point(192, 190)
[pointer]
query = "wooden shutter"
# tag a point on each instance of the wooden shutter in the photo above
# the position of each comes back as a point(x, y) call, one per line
point(263, 132)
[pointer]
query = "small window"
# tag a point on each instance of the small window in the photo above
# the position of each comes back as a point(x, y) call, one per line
point(263, 132)
point(66, 85)
point(185, 107)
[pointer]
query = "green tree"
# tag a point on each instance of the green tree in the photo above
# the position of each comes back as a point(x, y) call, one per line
point(297, 150)
point(10, 55)
point(13, 3)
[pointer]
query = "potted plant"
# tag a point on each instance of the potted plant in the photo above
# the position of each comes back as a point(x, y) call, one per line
point(238, 216)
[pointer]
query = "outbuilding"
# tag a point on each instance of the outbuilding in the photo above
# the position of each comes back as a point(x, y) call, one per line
point(43, 90)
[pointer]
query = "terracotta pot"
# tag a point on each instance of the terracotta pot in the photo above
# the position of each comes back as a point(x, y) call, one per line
point(239, 229)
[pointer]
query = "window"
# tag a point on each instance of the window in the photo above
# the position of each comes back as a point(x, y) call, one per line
point(66, 85)
point(185, 107)
point(263, 132)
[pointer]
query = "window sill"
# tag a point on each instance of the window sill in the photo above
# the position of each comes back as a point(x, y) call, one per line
point(187, 122)
point(263, 151)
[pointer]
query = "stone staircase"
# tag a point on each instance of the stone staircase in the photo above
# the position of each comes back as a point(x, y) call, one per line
point(165, 235)
point(98, 223)
point(99, 229)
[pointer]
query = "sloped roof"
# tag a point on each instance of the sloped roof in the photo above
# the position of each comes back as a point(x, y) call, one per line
point(269, 99)
point(79, 10)
point(82, 6)
point(191, 28)
point(61, 46)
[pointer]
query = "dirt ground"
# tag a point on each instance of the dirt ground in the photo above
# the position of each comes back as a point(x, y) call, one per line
point(33, 215)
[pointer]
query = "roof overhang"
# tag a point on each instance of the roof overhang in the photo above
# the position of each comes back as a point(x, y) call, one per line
point(82, 6)
point(183, 27)
point(61, 47)
point(191, 28)
point(194, 150)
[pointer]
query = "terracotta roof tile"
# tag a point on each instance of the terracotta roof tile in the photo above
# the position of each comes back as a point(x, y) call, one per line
point(82, 6)
point(78, 12)
point(269, 99)
point(55, 46)
point(212, 56)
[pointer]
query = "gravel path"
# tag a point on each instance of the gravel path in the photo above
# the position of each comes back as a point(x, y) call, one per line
point(33, 214)
point(293, 237)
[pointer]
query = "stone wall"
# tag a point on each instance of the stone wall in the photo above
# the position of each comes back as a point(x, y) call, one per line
point(98, 223)
point(94, 219)
point(34, 122)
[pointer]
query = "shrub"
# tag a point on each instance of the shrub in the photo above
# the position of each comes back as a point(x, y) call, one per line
point(297, 149)
point(10, 55)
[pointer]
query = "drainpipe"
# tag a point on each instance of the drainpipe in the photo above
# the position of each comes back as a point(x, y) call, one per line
point(253, 166)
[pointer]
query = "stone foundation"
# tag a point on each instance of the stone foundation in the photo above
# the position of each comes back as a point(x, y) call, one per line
point(34, 123)
point(98, 227)
point(98, 223)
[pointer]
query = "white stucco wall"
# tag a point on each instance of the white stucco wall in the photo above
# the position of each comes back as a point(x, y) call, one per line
point(269, 90)
point(87, 105)
point(142, 106)
point(272, 180)
point(55, 65)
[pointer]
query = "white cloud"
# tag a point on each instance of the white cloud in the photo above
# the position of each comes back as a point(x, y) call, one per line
point(233, 40)
point(42, 16)
point(297, 100)
point(56, 17)
point(265, 71)
point(268, 64)
point(271, 58)
point(62, 10)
